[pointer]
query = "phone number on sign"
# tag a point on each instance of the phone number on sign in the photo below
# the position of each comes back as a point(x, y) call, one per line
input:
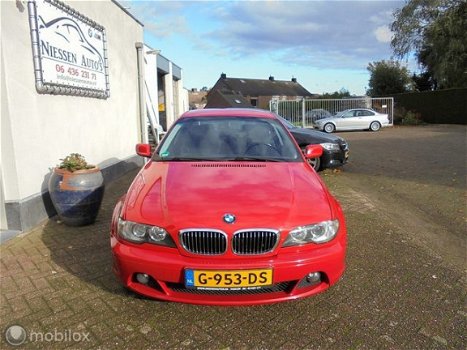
point(76, 72)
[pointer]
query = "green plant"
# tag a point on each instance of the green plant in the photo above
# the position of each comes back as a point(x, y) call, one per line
point(399, 114)
point(411, 118)
point(74, 162)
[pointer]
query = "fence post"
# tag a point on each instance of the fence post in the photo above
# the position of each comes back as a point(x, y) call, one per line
point(303, 112)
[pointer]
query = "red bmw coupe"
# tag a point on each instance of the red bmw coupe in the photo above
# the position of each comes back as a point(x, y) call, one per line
point(227, 211)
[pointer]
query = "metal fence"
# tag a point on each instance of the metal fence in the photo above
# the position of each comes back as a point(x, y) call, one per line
point(303, 112)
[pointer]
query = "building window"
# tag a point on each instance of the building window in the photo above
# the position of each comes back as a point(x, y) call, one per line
point(254, 102)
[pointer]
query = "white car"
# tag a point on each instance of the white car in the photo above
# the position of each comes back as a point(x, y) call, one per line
point(353, 119)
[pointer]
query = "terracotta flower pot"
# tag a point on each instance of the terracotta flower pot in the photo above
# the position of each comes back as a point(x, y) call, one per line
point(77, 195)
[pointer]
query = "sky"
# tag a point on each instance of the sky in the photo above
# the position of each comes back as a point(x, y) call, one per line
point(326, 45)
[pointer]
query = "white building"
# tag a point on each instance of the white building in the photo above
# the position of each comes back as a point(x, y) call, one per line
point(76, 94)
point(164, 84)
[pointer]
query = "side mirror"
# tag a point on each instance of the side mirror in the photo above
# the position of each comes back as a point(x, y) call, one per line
point(313, 151)
point(143, 150)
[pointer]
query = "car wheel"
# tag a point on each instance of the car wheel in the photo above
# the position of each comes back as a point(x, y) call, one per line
point(375, 126)
point(329, 128)
point(314, 162)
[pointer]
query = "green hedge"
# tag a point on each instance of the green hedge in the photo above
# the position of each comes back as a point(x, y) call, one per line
point(437, 107)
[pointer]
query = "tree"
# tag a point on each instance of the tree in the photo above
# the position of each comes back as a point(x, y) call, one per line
point(444, 51)
point(423, 82)
point(411, 21)
point(387, 78)
point(436, 32)
point(342, 93)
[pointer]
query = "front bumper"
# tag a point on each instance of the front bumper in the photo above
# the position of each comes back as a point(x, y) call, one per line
point(333, 159)
point(318, 126)
point(166, 270)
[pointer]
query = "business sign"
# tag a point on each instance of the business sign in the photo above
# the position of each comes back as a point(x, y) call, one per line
point(69, 49)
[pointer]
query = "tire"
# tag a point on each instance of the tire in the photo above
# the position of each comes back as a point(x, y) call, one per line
point(315, 162)
point(375, 126)
point(329, 128)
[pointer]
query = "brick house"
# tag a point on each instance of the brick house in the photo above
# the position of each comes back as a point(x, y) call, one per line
point(226, 99)
point(257, 92)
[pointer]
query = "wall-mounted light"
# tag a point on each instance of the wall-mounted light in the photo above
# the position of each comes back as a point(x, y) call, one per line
point(153, 52)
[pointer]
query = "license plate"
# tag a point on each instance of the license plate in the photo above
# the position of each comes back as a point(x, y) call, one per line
point(215, 279)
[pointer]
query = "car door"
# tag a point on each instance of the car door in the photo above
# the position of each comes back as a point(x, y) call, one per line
point(347, 121)
point(365, 118)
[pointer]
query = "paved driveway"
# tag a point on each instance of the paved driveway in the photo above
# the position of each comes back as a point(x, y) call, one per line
point(399, 292)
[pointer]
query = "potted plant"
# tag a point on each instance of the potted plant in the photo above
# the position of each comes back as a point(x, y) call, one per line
point(76, 189)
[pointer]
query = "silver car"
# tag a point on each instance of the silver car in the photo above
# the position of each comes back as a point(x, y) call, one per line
point(353, 119)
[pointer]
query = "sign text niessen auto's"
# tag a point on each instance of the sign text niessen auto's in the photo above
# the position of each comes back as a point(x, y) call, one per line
point(69, 49)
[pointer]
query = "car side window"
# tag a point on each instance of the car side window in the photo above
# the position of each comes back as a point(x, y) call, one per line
point(349, 114)
point(366, 113)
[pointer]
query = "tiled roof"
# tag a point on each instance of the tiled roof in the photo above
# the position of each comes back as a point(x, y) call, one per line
point(261, 87)
point(225, 99)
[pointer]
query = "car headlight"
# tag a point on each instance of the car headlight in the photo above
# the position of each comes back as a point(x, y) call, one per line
point(140, 233)
point(331, 146)
point(317, 233)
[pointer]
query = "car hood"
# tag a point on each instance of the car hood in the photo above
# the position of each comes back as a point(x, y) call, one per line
point(177, 195)
point(314, 135)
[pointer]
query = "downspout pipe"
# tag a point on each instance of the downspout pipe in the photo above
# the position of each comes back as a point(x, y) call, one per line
point(35, 47)
point(142, 103)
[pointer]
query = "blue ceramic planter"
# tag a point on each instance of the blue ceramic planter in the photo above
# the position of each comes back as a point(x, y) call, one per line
point(77, 195)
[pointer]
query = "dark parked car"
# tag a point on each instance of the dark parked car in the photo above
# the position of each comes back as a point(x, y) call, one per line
point(317, 114)
point(335, 148)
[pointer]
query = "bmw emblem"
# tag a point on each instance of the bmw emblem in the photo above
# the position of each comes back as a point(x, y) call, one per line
point(229, 218)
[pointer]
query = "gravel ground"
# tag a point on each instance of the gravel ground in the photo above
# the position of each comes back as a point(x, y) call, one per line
point(415, 177)
point(403, 193)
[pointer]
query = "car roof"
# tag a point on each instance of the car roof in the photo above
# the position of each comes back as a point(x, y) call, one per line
point(229, 112)
point(357, 109)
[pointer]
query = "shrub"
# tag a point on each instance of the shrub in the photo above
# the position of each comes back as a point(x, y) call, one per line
point(399, 114)
point(438, 107)
point(411, 118)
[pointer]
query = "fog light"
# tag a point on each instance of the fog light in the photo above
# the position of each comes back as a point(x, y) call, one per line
point(142, 278)
point(313, 277)
point(311, 280)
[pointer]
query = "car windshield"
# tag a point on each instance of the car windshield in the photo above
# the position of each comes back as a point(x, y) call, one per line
point(227, 138)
